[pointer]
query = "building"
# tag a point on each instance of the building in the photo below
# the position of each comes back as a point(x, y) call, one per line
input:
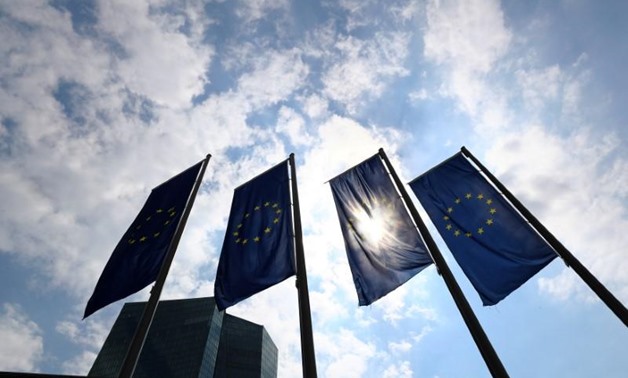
point(189, 338)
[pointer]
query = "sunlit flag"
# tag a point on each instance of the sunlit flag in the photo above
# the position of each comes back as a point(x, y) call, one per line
point(383, 246)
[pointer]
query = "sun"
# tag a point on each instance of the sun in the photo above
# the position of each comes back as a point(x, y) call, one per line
point(370, 226)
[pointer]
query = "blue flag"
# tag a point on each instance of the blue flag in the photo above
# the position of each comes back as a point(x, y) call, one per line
point(383, 245)
point(495, 247)
point(137, 259)
point(258, 250)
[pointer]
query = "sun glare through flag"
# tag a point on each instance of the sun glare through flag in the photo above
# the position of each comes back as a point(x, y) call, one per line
point(383, 247)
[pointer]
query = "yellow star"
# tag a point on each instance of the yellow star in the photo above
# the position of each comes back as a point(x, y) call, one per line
point(247, 215)
point(147, 218)
point(446, 217)
point(276, 220)
point(173, 213)
point(457, 200)
point(468, 234)
point(493, 211)
point(278, 211)
point(245, 241)
point(132, 241)
point(156, 234)
point(267, 230)
point(236, 233)
point(468, 196)
point(489, 222)
point(480, 196)
point(489, 201)
point(457, 233)
point(240, 225)
point(450, 210)
point(166, 223)
point(143, 238)
point(449, 227)
point(256, 239)
point(159, 211)
point(171, 209)
point(275, 205)
point(257, 207)
point(266, 204)
point(238, 240)
point(480, 230)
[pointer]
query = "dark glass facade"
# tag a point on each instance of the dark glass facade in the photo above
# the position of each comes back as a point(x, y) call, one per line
point(189, 338)
point(246, 350)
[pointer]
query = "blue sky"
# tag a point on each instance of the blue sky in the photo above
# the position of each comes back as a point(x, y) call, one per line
point(101, 101)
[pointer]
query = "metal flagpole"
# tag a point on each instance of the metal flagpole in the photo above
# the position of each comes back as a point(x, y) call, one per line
point(307, 339)
point(133, 353)
point(602, 292)
point(491, 359)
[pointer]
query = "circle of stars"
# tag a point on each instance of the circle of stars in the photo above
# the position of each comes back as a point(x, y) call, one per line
point(270, 210)
point(151, 226)
point(489, 220)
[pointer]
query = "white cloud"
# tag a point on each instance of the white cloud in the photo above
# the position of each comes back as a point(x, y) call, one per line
point(539, 86)
point(468, 38)
point(419, 95)
point(22, 345)
point(418, 337)
point(315, 106)
point(88, 334)
point(400, 370)
point(40, 50)
point(80, 364)
point(293, 125)
point(402, 346)
point(561, 287)
point(275, 75)
point(348, 355)
point(574, 92)
point(157, 61)
point(365, 67)
point(467, 35)
point(254, 10)
point(405, 12)
point(53, 170)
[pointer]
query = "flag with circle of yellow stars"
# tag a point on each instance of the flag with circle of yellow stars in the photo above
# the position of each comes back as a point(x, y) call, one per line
point(495, 247)
point(137, 259)
point(257, 251)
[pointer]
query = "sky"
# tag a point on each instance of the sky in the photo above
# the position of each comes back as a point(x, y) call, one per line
point(100, 101)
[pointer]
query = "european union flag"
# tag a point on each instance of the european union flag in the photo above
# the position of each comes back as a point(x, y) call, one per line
point(137, 259)
point(258, 250)
point(495, 247)
point(383, 245)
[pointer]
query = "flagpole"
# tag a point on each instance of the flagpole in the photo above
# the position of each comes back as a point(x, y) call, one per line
point(602, 292)
point(307, 339)
point(491, 359)
point(133, 353)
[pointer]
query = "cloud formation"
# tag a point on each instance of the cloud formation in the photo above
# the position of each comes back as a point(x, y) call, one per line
point(22, 344)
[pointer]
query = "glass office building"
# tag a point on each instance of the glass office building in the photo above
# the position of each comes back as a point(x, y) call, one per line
point(189, 338)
